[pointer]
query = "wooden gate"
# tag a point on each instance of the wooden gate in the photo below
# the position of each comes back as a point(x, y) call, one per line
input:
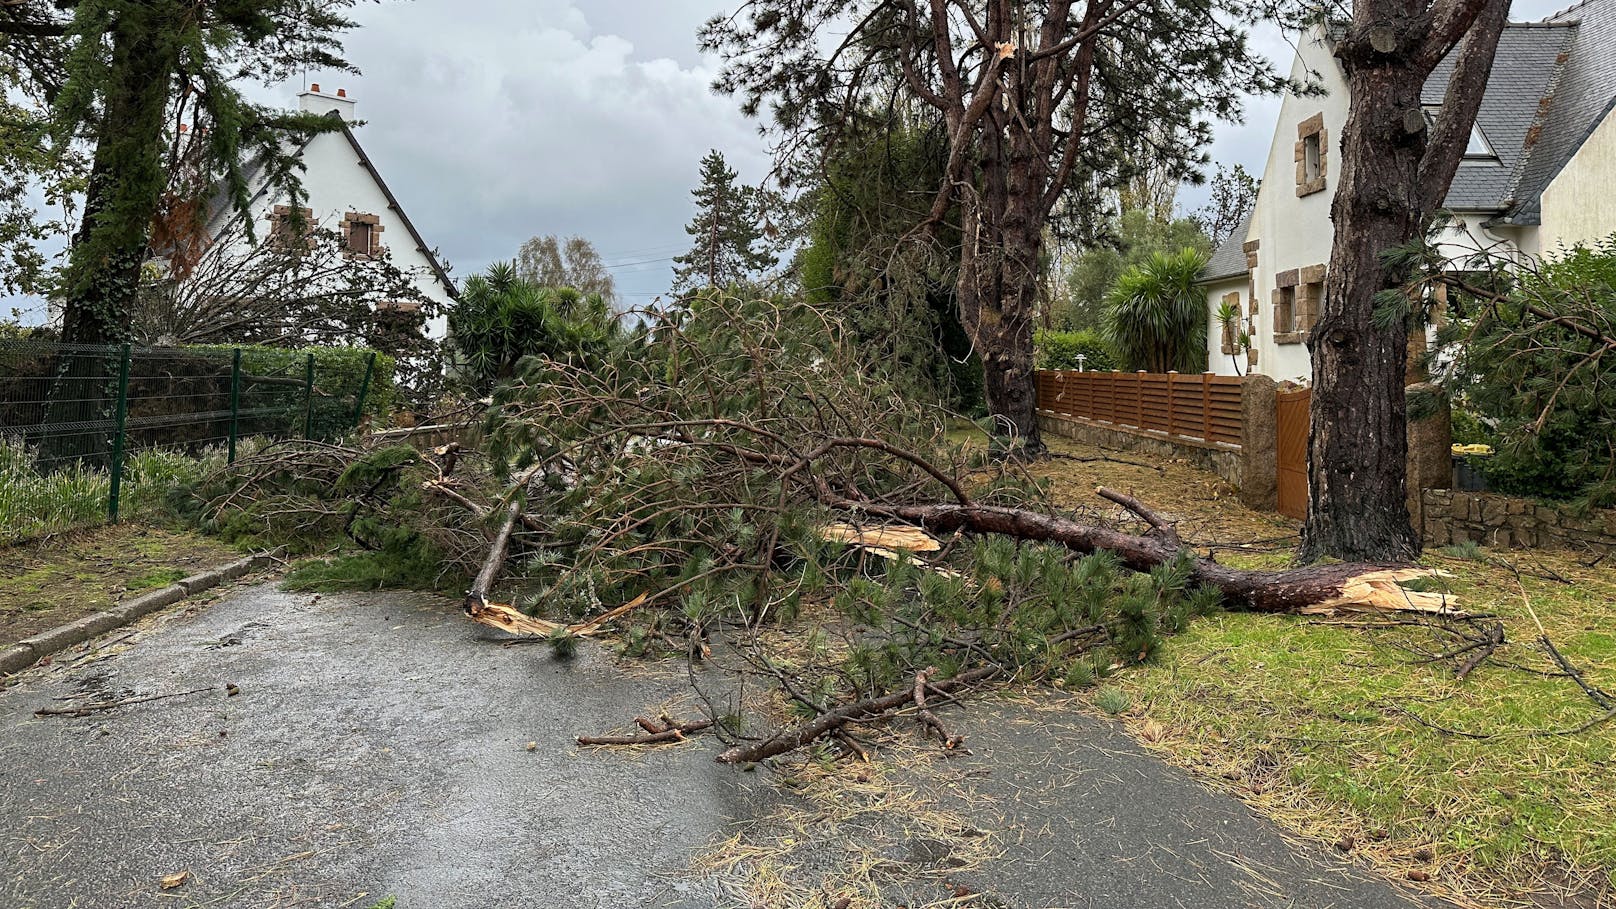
point(1290, 450)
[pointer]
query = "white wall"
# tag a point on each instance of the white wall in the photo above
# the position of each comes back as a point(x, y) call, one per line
point(1580, 204)
point(337, 184)
point(1216, 360)
point(1295, 232)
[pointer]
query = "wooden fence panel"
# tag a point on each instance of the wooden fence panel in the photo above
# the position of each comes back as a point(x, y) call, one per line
point(1205, 407)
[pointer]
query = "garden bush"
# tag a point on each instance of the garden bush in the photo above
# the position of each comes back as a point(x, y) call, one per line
point(1060, 350)
point(1532, 361)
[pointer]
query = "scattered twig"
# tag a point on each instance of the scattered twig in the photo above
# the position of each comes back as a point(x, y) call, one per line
point(87, 709)
point(830, 721)
point(656, 733)
point(929, 720)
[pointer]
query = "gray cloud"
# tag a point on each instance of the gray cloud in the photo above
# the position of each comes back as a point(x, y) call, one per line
point(495, 120)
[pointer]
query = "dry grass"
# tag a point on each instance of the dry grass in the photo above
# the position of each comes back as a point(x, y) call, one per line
point(874, 834)
point(1318, 723)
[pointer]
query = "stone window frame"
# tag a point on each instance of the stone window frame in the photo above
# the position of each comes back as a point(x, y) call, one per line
point(280, 229)
point(355, 219)
point(1298, 298)
point(1312, 132)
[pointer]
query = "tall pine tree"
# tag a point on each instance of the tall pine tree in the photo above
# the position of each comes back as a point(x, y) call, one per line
point(725, 233)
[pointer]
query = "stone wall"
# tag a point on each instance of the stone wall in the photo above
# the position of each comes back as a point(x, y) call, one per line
point(1507, 522)
point(1219, 457)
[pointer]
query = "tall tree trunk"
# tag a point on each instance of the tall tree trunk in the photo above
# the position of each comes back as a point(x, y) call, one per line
point(127, 178)
point(998, 294)
point(1358, 446)
point(1394, 177)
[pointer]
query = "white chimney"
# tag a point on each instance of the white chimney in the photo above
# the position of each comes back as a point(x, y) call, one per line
point(318, 102)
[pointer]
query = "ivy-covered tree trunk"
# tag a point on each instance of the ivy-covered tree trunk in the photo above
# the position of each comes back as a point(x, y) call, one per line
point(1393, 180)
point(125, 187)
point(126, 179)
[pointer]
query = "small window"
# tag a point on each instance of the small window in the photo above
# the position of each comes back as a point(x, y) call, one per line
point(1477, 149)
point(290, 230)
point(1311, 159)
point(359, 238)
point(1284, 310)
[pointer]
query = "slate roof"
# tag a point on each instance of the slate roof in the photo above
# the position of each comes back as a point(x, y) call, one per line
point(1524, 71)
point(1584, 94)
point(1229, 259)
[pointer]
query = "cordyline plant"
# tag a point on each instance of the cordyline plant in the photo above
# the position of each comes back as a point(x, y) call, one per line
point(737, 463)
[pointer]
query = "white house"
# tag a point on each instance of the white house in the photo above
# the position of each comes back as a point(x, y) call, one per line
point(1539, 174)
point(347, 193)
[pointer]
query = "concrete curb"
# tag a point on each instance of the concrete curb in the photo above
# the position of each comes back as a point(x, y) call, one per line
point(29, 651)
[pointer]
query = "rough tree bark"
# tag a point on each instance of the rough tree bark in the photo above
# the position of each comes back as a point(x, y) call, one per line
point(1394, 178)
point(1309, 588)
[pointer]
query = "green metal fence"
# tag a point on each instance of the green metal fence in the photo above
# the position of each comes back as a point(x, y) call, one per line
point(72, 416)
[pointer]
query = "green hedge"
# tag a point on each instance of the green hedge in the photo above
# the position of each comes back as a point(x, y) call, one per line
point(339, 374)
point(1060, 349)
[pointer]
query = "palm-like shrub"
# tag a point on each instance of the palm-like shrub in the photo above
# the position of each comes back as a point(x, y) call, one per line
point(1156, 316)
point(502, 318)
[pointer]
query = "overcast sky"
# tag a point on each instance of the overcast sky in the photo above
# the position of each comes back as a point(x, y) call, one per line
point(495, 120)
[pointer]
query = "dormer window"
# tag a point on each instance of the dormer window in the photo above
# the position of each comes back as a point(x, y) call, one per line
point(1312, 156)
point(1478, 149)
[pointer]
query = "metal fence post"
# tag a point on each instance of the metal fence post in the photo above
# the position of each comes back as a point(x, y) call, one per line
point(121, 422)
point(308, 397)
point(235, 402)
point(364, 389)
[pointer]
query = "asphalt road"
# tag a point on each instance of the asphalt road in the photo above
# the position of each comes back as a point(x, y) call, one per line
point(379, 745)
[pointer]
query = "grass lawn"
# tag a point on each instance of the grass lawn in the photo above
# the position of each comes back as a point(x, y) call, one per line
point(1318, 722)
point(57, 579)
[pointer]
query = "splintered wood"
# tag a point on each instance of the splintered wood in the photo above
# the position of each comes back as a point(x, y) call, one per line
point(509, 619)
point(886, 540)
point(1383, 591)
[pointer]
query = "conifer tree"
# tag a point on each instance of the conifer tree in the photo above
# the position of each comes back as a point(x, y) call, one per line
point(725, 233)
point(133, 67)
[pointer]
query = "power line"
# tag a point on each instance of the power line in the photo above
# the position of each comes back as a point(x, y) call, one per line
point(641, 262)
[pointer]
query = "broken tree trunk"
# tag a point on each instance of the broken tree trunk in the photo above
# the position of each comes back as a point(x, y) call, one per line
point(477, 596)
point(1309, 589)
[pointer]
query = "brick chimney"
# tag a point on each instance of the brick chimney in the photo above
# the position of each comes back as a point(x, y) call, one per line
point(316, 101)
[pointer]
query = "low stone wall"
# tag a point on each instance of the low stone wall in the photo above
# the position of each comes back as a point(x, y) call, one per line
point(1219, 457)
point(1507, 522)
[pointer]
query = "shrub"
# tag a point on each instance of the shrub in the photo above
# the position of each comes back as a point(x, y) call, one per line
point(1155, 315)
point(1532, 361)
point(339, 375)
point(1060, 350)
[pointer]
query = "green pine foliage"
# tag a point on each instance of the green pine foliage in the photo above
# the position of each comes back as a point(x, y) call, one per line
point(727, 235)
point(1534, 367)
point(667, 484)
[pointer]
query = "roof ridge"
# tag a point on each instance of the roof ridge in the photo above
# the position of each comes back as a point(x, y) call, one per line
point(1559, 17)
point(1544, 108)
